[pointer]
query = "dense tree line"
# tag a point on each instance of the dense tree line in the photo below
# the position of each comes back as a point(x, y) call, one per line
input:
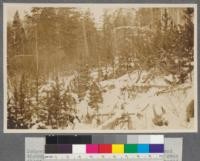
point(49, 43)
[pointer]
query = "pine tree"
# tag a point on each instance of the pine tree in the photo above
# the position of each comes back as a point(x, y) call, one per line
point(83, 82)
point(54, 104)
point(12, 121)
point(19, 106)
point(68, 111)
point(16, 44)
point(95, 98)
point(10, 40)
point(59, 106)
point(18, 35)
point(107, 39)
point(177, 46)
point(187, 40)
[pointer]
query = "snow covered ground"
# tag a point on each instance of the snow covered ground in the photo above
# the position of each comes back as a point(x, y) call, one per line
point(129, 104)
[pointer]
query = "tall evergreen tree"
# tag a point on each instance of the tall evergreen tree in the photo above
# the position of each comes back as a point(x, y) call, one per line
point(19, 106)
point(95, 96)
point(18, 36)
point(83, 82)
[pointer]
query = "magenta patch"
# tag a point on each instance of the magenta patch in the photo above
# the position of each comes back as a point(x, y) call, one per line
point(92, 148)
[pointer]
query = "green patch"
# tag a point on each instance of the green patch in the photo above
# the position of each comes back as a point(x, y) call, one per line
point(130, 148)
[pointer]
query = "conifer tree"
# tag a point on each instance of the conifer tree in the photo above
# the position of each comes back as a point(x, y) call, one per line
point(95, 98)
point(19, 106)
point(83, 82)
point(18, 36)
point(177, 45)
point(59, 106)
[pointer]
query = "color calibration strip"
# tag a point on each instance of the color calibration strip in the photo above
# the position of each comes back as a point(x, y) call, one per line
point(105, 139)
point(107, 146)
point(103, 148)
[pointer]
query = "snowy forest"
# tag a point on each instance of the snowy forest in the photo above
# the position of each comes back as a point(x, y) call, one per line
point(131, 69)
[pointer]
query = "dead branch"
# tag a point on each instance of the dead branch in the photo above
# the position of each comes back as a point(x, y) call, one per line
point(171, 89)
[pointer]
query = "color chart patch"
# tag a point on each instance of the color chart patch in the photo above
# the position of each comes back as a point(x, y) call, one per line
point(105, 148)
point(117, 148)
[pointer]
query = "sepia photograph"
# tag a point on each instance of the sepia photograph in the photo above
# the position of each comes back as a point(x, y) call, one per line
point(100, 68)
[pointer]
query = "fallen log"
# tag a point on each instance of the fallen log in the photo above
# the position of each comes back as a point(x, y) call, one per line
point(172, 89)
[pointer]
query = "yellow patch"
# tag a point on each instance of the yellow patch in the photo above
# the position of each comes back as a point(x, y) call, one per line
point(118, 148)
